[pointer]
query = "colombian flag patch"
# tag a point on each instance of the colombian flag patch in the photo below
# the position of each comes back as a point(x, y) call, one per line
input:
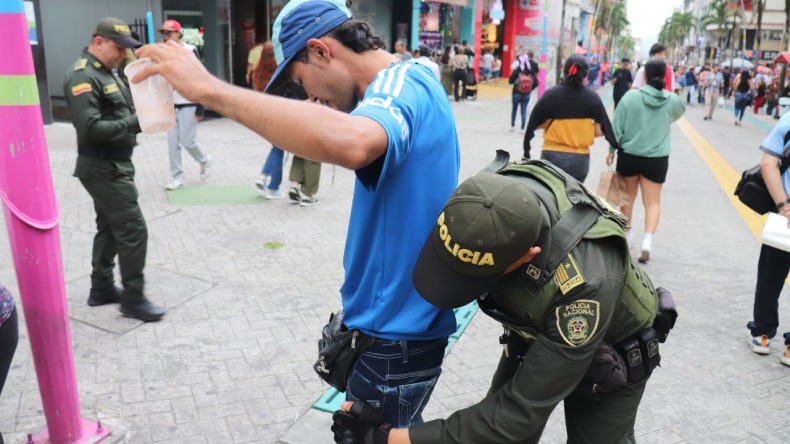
point(81, 88)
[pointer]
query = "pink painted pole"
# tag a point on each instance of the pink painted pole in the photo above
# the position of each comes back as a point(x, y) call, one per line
point(31, 214)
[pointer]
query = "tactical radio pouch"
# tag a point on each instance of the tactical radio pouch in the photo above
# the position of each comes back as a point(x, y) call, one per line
point(338, 350)
point(667, 314)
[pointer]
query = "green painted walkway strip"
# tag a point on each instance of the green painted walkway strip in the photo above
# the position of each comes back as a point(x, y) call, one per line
point(332, 399)
point(18, 90)
point(214, 195)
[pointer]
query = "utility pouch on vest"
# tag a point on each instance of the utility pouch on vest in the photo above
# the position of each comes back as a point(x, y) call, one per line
point(607, 371)
point(666, 316)
point(648, 345)
point(338, 350)
point(632, 353)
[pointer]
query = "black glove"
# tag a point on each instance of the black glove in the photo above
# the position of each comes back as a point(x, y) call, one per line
point(362, 425)
point(525, 158)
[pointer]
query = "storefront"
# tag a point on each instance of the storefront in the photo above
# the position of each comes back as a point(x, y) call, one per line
point(440, 24)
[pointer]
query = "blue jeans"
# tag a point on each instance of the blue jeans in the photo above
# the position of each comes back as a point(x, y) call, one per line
point(519, 100)
point(577, 165)
point(741, 102)
point(273, 167)
point(397, 378)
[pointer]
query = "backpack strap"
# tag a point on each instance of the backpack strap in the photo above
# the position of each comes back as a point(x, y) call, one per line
point(499, 162)
point(567, 233)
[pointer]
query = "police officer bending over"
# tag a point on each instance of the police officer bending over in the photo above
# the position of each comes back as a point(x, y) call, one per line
point(106, 135)
point(548, 259)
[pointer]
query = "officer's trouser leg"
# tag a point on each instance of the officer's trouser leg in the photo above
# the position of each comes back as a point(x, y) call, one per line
point(111, 185)
point(104, 250)
point(187, 133)
point(606, 417)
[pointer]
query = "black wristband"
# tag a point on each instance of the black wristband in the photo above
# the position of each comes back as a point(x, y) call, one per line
point(782, 204)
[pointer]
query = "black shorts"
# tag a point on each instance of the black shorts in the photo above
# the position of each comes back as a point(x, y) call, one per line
point(653, 169)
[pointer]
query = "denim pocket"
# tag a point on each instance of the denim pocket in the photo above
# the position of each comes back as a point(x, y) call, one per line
point(412, 399)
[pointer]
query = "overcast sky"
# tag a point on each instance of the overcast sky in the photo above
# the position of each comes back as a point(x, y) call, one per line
point(647, 16)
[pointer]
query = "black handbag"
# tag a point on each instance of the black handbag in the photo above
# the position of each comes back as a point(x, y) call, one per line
point(751, 189)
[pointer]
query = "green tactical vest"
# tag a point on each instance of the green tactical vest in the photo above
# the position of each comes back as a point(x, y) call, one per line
point(574, 213)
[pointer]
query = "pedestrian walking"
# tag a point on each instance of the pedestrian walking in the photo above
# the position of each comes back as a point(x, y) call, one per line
point(397, 151)
point(568, 336)
point(571, 116)
point(774, 264)
point(642, 127)
point(742, 88)
point(714, 84)
point(760, 90)
point(460, 65)
point(188, 115)
point(622, 80)
point(9, 336)
point(268, 184)
point(524, 78)
point(106, 136)
point(691, 86)
point(657, 50)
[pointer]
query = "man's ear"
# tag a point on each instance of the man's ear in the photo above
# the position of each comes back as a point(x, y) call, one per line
point(319, 48)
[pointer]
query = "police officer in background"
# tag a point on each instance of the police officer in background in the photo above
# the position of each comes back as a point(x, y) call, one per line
point(101, 109)
point(582, 322)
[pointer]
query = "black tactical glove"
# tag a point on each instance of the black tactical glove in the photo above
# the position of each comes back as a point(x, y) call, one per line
point(362, 425)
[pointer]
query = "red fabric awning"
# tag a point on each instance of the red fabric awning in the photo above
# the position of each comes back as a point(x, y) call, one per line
point(783, 58)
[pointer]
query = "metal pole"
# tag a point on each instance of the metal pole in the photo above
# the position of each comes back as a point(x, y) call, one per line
point(544, 50)
point(31, 214)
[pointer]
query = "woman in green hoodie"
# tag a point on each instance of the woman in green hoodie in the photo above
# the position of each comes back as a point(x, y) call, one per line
point(641, 126)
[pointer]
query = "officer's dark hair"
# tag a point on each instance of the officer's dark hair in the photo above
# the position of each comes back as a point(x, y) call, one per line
point(575, 71)
point(655, 70)
point(657, 48)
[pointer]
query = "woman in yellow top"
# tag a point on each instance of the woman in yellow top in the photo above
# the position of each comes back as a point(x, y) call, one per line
point(571, 117)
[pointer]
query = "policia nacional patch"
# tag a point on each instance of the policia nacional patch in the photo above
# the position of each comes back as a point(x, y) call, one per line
point(567, 275)
point(577, 322)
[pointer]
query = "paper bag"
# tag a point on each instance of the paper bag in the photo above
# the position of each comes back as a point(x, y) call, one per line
point(611, 187)
point(776, 234)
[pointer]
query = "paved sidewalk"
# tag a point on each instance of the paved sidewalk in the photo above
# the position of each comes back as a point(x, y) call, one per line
point(230, 363)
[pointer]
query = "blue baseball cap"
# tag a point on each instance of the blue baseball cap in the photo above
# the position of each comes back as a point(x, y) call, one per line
point(298, 22)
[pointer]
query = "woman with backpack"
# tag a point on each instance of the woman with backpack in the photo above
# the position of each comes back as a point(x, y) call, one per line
point(524, 78)
point(571, 117)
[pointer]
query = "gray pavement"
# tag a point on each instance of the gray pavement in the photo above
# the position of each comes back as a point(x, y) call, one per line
point(230, 363)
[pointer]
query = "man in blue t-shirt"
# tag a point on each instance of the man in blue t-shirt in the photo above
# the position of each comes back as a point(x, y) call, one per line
point(774, 264)
point(392, 124)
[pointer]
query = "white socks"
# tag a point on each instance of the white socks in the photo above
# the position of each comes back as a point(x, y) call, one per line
point(647, 241)
point(629, 237)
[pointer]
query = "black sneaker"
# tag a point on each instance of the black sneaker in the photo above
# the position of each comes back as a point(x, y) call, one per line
point(295, 195)
point(104, 296)
point(143, 310)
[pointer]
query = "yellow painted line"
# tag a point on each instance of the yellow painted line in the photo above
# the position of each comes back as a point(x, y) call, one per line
point(724, 173)
point(498, 90)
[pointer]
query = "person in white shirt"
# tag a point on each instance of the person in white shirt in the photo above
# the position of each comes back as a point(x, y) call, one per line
point(188, 114)
point(422, 57)
point(657, 50)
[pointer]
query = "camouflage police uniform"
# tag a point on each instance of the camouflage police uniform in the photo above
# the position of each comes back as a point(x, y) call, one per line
point(102, 113)
point(580, 292)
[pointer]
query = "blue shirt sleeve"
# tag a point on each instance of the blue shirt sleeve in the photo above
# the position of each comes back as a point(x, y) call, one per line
point(775, 142)
point(392, 101)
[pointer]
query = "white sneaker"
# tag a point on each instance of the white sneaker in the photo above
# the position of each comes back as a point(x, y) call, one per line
point(760, 344)
point(785, 359)
point(175, 184)
point(308, 201)
point(262, 182)
point(273, 194)
point(205, 169)
point(295, 195)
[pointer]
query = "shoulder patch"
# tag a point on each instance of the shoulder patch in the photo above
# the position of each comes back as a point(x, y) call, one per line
point(567, 275)
point(577, 321)
point(80, 65)
point(109, 89)
point(81, 88)
point(97, 64)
